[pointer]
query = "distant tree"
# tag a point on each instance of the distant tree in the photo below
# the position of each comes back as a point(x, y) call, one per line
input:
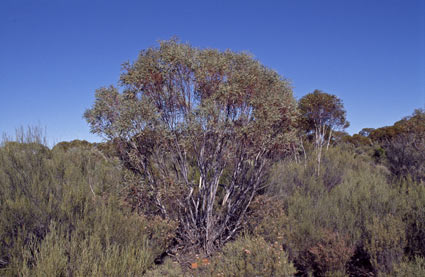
point(199, 127)
point(365, 132)
point(357, 140)
point(320, 115)
point(339, 136)
point(404, 145)
point(76, 143)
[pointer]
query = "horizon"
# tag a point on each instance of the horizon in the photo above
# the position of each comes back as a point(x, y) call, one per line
point(57, 53)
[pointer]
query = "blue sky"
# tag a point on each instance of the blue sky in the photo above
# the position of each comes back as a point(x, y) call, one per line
point(54, 54)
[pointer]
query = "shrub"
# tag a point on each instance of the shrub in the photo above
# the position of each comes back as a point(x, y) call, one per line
point(386, 242)
point(168, 268)
point(251, 256)
point(26, 196)
point(61, 255)
point(267, 219)
point(317, 206)
point(403, 144)
point(337, 165)
point(413, 268)
point(330, 254)
point(50, 256)
point(359, 264)
point(105, 243)
point(415, 218)
point(64, 205)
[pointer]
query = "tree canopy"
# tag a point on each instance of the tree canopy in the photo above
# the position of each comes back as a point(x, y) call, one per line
point(319, 109)
point(202, 124)
point(321, 114)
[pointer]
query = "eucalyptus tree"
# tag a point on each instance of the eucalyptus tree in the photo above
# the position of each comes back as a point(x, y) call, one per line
point(320, 115)
point(199, 127)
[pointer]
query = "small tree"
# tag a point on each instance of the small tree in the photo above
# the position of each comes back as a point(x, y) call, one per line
point(321, 115)
point(199, 128)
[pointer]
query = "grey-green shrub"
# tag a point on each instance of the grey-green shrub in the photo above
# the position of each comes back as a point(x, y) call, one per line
point(251, 256)
point(412, 268)
point(386, 242)
point(414, 218)
point(85, 253)
point(62, 214)
point(65, 205)
point(169, 268)
point(344, 199)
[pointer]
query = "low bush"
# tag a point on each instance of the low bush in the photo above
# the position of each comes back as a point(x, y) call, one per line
point(412, 268)
point(329, 217)
point(74, 211)
point(169, 268)
point(267, 219)
point(414, 218)
point(251, 256)
point(118, 246)
point(62, 215)
point(386, 242)
point(331, 254)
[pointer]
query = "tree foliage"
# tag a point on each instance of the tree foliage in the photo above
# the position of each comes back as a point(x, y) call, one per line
point(321, 114)
point(199, 127)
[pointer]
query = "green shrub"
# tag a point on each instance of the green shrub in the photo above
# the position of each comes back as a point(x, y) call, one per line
point(386, 242)
point(64, 205)
point(59, 255)
point(267, 219)
point(415, 218)
point(413, 268)
point(317, 206)
point(27, 196)
point(51, 259)
point(251, 256)
point(106, 243)
point(70, 212)
point(65, 145)
point(330, 254)
point(168, 268)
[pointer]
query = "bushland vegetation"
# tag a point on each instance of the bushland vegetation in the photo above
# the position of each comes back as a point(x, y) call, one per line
point(211, 168)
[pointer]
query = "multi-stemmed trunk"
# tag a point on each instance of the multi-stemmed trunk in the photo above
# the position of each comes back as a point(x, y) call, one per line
point(197, 127)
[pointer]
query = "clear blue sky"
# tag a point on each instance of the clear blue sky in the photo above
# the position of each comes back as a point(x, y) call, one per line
point(54, 54)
